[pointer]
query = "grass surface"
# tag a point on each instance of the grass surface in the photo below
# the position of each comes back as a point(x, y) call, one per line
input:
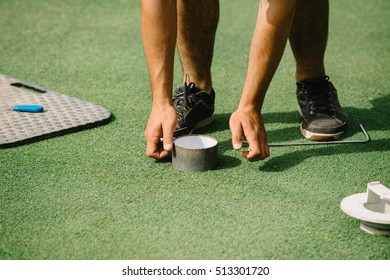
point(94, 194)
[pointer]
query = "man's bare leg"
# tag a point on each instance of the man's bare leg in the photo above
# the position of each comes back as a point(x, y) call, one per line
point(322, 115)
point(197, 25)
point(308, 38)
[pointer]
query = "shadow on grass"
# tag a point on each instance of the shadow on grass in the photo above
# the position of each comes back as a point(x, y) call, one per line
point(374, 119)
point(292, 159)
point(225, 161)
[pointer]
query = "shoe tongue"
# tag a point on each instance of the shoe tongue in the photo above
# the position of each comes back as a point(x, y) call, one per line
point(191, 89)
point(180, 90)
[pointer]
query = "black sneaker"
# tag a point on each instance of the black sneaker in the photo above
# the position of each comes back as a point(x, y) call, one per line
point(323, 117)
point(194, 108)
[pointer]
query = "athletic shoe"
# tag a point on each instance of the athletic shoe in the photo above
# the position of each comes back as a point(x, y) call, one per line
point(323, 117)
point(194, 108)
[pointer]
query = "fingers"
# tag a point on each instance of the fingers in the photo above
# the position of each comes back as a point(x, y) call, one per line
point(168, 130)
point(159, 131)
point(236, 130)
point(253, 153)
point(258, 149)
point(252, 127)
point(154, 148)
point(157, 147)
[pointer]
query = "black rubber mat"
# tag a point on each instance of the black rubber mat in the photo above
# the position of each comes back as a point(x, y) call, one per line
point(62, 114)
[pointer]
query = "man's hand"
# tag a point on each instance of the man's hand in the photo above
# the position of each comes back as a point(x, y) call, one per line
point(161, 124)
point(250, 125)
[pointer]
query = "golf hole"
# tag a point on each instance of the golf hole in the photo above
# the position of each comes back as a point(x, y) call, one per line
point(195, 153)
point(196, 142)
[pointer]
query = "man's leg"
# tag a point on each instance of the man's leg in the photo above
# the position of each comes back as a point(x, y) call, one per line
point(194, 101)
point(323, 117)
point(308, 38)
point(197, 25)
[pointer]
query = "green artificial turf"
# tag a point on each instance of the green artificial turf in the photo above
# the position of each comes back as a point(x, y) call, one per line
point(95, 195)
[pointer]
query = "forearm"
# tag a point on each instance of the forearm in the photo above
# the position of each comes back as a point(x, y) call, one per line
point(268, 44)
point(159, 23)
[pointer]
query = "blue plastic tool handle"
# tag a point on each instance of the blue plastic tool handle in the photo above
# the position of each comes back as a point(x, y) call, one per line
point(28, 108)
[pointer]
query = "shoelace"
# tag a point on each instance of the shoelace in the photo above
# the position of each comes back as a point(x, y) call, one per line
point(183, 99)
point(318, 101)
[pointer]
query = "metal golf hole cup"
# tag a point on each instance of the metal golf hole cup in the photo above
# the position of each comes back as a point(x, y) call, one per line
point(195, 153)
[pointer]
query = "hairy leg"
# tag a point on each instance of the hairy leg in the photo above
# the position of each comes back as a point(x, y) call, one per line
point(159, 27)
point(197, 25)
point(308, 38)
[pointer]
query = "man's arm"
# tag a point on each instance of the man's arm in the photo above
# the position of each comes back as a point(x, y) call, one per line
point(159, 29)
point(268, 44)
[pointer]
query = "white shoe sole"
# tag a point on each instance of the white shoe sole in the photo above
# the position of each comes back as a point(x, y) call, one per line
point(320, 136)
